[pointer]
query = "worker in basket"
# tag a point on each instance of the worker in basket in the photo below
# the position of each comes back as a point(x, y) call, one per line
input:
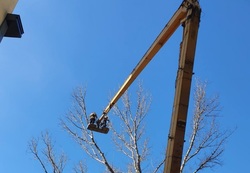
point(104, 122)
point(92, 118)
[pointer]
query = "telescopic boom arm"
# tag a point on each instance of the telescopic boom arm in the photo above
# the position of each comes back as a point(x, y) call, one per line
point(188, 14)
point(162, 38)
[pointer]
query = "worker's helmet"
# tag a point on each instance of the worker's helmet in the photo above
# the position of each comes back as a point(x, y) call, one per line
point(93, 114)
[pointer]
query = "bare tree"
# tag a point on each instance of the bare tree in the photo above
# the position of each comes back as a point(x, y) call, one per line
point(205, 147)
point(207, 139)
point(80, 168)
point(130, 137)
point(49, 160)
point(75, 123)
point(56, 161)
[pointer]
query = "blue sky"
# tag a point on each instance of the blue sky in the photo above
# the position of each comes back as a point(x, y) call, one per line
point(97, 44)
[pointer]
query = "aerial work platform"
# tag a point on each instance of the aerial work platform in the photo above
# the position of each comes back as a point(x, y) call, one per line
point(94, 127)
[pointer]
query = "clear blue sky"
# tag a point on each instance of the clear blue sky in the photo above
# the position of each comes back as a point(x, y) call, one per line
point(97, 44)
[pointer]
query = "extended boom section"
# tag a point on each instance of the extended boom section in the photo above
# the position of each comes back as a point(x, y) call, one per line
point(187, 15)
point(182, 91)
point(162, 38)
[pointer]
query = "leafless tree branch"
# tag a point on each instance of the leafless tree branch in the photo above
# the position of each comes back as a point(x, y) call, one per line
point(33, 144)
point(57, 162)
point(129, 139)
point(75, 123)
point(80, 168)
point(207, 140)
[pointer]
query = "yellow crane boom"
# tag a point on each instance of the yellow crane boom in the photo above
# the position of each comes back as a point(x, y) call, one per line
point(182, 90)
point(187, 15)
point(162, 38)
